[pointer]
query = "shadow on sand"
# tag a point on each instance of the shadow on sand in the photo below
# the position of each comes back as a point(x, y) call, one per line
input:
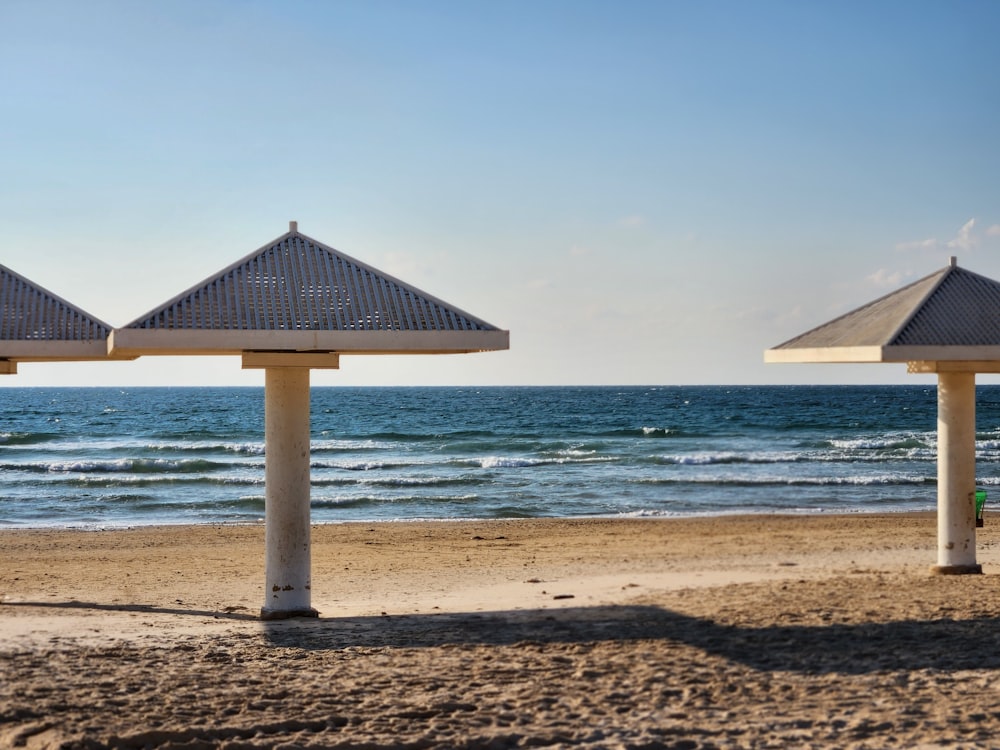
point(228, 614)
point(941, 644)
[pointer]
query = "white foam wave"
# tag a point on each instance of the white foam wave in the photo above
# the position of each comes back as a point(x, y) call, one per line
point(657, 431)
point(902, 441)
point(520, 462)
point(506, 462)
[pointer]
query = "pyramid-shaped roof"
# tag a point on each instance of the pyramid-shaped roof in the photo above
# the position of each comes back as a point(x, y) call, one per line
point(952, 314)
point(36, 325)
point(296, 294)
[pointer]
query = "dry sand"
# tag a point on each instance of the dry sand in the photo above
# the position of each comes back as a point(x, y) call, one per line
point(768, 631)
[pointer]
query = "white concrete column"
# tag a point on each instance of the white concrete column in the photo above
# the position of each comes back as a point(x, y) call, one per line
point(287, 564)
point(956, 506)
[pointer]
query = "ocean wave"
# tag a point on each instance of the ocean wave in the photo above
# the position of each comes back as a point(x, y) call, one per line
point(861, 480)
point(134, 466)
point(579, 452)
point(658, 432)
point(645, 432)
point(789, 457)
point(245, 449)
point(885, 443)
point(347, 445)
point(382, 500)
point(857, 480)
point(708, 459)
point(175, 508)
point(400, 481)
point(95, 480)
point(362, 465)
point(346, 502)
point(390, 436)
point(27, 438)
point(987, 446)
point(521, 462)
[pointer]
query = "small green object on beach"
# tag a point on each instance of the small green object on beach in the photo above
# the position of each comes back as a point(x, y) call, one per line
point(980, 502)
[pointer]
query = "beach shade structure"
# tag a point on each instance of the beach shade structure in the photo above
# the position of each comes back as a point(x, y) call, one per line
point(291, 306)
point(948, 324)
point(38, 326)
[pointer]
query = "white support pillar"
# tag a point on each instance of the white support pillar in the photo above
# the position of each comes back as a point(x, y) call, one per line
point(287, 564)
point(956, 507)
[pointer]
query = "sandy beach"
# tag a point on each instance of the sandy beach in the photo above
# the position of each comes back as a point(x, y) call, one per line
point(750, 631)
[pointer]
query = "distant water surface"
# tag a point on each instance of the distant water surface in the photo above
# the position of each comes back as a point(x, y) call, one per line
point(98, 457)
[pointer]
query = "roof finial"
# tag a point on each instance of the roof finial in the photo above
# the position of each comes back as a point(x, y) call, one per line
point(953, 261)
point(293, 227)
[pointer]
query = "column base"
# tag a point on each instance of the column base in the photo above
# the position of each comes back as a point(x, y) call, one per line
point(956, 570)
point(286, 614)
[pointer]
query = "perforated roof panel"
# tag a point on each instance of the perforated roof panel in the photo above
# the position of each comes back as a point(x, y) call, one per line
point(35, 324)
point(297, 294)
point(952, 314)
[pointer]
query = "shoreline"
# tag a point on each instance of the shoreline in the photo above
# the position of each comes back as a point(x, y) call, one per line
point(728, 631)
point(635, 516)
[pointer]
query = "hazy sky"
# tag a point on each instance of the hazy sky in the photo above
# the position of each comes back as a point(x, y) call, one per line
point(641, 192)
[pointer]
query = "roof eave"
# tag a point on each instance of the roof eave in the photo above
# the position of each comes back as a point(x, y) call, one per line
point(125, 342)
point(54, 350)
point(844, 354)
point(866, 354)
point(942, 353)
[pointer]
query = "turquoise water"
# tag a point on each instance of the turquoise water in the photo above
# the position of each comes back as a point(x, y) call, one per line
point(97, 457)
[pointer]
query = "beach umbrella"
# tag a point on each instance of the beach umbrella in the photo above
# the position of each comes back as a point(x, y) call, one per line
point(948, 324)
point(38, 326)
point(289, 307)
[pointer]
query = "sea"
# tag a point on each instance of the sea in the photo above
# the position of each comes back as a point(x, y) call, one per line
point(121, 457)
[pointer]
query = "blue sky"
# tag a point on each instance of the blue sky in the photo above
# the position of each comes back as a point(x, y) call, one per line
point(642, 192)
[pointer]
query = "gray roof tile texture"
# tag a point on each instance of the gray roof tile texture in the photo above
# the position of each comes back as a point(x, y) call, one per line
point(30, 313)
point(951, 307)
point(299, 284)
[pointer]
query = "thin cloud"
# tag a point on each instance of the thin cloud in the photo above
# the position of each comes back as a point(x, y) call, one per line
point(993, 231)
point(966, 239)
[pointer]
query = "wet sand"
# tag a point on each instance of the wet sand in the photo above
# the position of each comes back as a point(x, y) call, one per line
point(751, 631)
